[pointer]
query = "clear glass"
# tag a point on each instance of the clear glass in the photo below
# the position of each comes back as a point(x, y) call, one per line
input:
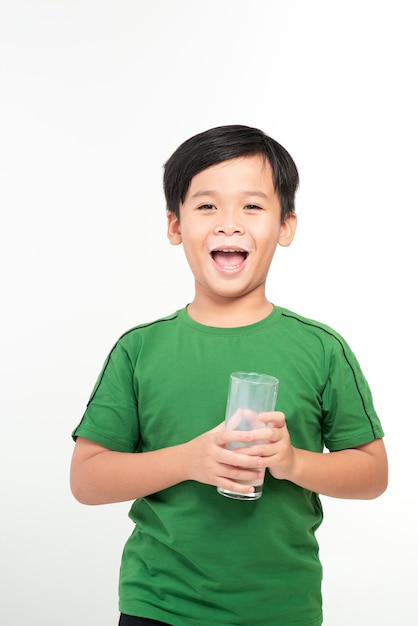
point(250, 394)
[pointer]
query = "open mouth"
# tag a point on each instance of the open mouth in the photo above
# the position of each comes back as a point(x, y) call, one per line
point(229, 259)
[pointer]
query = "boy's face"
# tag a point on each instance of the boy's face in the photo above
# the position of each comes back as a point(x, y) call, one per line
point(230, 225)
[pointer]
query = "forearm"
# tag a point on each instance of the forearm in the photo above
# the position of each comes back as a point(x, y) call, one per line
point(358, 473)
point(101, 476)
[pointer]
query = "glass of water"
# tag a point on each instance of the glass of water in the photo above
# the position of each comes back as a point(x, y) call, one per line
point(250, 394)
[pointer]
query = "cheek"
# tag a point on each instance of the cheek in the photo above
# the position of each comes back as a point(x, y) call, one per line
point(193, 254)
point(268, 237)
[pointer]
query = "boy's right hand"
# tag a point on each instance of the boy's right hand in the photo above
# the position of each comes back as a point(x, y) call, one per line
point(100, 475)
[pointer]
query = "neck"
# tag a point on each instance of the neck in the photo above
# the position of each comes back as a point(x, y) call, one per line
point(229, 313)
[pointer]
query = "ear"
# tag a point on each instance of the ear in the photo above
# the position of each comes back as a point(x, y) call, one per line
point(173, 229)
point(287, 230)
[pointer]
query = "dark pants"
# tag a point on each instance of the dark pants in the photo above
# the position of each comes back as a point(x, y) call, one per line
point(130, 620)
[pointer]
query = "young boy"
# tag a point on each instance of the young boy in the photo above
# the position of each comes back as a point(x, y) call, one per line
point(153, 429)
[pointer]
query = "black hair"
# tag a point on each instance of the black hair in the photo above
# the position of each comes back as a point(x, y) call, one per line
point(221, 144)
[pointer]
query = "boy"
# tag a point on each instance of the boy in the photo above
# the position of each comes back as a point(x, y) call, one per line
point(153, 429)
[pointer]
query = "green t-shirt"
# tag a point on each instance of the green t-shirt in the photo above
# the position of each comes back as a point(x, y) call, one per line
point(196, 557)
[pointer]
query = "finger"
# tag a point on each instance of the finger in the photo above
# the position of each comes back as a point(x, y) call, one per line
point(242, 437)
point(235, 420)
point(240, 458)
point(240, 475)
point(230, 485)
point(259, 452)
point(275, 418)
point(264, 434)
point(267, 434)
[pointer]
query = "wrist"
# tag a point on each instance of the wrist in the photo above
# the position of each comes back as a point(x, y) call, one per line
point(180, 464)
point(290, 468)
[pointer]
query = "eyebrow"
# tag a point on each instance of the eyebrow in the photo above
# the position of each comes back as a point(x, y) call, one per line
point(245, 192)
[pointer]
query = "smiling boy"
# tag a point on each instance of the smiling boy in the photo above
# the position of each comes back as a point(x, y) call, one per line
point(230, 224)
point(196, 557)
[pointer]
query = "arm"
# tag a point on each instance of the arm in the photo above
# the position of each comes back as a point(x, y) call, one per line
point(358, 473)
point(99, 475)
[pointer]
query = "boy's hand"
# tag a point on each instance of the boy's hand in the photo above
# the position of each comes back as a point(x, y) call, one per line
point(359, 472)
point(276, 451)
point(208, 461)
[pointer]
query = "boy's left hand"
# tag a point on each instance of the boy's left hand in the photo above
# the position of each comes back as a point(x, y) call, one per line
point(359, 472)
point(276, 451)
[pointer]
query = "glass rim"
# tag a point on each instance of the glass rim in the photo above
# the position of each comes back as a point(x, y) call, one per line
point(254, 377)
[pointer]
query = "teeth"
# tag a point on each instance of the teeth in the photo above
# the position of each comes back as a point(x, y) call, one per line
point(229, 250)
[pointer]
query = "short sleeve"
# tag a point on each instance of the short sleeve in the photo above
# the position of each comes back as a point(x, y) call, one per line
point(111, 418)
point(349, 416)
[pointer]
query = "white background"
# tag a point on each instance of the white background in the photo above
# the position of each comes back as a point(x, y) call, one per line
point(95, 96)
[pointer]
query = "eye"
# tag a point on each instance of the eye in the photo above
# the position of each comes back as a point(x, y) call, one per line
point(253, 207)
point(206, 207)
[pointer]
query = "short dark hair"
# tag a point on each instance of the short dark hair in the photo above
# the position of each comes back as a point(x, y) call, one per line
point(221, 144)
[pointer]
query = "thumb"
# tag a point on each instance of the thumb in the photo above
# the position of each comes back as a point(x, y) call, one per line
point(218, 428)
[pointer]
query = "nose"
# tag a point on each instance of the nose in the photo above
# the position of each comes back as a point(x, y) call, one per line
point(229, 224)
